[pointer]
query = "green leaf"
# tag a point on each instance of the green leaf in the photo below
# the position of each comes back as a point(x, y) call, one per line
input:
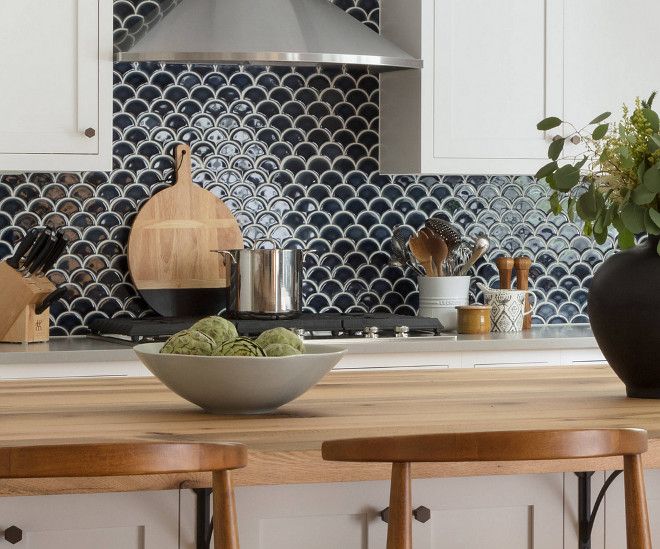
point(555, 205)
point(600, 118)
point(641, 195)
point(600, 131)
point(640, 172)
point(652, 118)
point(654, 143)
point(650, 225)
point(589, 204)
point(632, 216)
point(570, 209)
point(658, 248)
point(588, 228)
point(626, 238)
point(567, 177)
point(546, 170)
point(555, 148)
point(655, 216)
point(652, 178)
point(548, 123)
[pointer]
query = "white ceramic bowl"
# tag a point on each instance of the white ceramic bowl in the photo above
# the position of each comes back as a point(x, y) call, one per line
point(240, 384)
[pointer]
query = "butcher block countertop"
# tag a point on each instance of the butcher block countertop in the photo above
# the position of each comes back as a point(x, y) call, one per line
point(285, 447)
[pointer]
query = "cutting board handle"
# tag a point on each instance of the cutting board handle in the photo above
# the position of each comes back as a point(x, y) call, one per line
point(182, 165)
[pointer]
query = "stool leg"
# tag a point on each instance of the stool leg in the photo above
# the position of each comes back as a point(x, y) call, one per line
point(225, 527)
point(637, 516)
point(399, 531)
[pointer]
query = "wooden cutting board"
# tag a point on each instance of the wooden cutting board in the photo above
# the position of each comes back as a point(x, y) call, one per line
point(169, 246)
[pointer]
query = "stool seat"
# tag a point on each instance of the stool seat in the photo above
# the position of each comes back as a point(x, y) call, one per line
point(534, 445)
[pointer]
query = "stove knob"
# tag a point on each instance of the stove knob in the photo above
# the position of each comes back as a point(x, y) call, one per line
point(371, 331)
point(401, 331)
point(300, 332)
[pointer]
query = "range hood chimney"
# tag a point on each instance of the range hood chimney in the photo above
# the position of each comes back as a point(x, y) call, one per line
point(266, 32)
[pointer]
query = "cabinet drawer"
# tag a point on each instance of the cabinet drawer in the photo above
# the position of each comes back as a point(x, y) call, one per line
point(511, 359)
point(399, 361)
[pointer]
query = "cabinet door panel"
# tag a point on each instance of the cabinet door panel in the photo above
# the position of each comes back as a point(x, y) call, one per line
point(489, 78)
point(99, 538)
point(50, 76)
point(607, 55)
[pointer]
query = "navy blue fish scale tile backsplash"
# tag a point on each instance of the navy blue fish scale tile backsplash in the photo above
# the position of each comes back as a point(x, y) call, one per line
point(293, 152)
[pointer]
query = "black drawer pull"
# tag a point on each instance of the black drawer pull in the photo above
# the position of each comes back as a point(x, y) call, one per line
point(13, 535)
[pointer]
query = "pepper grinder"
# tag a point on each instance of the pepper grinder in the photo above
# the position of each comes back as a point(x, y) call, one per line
point(522, 265)
point(505, 267)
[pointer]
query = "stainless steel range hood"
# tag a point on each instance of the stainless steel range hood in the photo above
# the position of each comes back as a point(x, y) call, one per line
point(266, 32)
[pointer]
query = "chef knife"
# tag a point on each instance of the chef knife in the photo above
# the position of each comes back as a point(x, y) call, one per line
point(23, 247)
point(50, 299)
point(39, 243)
point(55, 253)
point(41, 256)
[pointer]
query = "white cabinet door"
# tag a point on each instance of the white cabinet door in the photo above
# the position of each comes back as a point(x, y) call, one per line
point(322, 516)
point(502, 512)
point(607, 44)
point(136, 520)
point(55, 84)
point(492, 70)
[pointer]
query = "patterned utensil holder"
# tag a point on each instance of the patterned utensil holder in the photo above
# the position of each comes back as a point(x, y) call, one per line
point(440, 295)
point(19, 295)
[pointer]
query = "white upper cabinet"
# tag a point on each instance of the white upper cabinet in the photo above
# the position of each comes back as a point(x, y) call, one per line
point(56, 85)
point(494, 68)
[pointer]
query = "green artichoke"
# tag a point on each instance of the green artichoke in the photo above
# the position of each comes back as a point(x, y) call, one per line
point(239, 346)
point(189, 342)
point(281, 335)
point(281, 349)
point(217, 328)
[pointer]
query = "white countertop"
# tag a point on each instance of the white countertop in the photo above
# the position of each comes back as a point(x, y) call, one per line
point(89, 349)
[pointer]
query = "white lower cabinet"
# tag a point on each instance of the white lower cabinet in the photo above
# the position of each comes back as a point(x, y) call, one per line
point(136, 520)
point(503, 512)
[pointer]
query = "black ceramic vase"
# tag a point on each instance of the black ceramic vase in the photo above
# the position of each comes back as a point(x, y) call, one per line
point(624, 310)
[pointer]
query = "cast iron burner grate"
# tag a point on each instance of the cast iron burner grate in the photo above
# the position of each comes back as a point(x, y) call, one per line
point(315, 325)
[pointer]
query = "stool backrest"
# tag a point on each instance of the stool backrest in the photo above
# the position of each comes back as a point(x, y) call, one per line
point(490, 446)
point(114, 459)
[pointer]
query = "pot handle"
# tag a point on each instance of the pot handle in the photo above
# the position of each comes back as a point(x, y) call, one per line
point(266, 239)
point(225, 254)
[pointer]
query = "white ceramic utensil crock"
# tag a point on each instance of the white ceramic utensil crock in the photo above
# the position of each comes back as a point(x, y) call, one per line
point(440, 295)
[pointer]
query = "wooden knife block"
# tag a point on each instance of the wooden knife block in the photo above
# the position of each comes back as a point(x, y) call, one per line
point(18, 298)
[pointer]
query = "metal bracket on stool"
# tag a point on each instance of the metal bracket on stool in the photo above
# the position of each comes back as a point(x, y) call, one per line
point(587, 514)
point(203, 520)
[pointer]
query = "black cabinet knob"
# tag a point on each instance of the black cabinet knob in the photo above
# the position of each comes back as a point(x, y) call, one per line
point(90, 132)
point(13, 534)
point(421, 514)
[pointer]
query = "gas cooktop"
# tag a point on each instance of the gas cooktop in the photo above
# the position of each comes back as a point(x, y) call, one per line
point(308, 325)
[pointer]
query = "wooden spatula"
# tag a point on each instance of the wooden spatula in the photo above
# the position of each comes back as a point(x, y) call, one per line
point(438, 248)
point(419, 247)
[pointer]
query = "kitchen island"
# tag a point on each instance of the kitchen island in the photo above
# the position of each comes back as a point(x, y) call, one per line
point(285, 446)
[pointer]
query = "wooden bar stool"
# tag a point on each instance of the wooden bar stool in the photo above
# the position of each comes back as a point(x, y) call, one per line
point(125, 459)
point(499, 446)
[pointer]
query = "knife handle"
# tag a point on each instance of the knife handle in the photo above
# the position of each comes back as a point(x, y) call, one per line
point(41, 256)
point(50, 299)
point(55, 253)
point(39, 243)
point(23, 247)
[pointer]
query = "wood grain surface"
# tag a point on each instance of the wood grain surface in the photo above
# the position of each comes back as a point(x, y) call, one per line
point(171, 238)
point(285, 447)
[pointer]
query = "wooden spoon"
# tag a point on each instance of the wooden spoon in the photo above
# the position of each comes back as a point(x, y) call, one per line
point(438, 248)
point(419, 247)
